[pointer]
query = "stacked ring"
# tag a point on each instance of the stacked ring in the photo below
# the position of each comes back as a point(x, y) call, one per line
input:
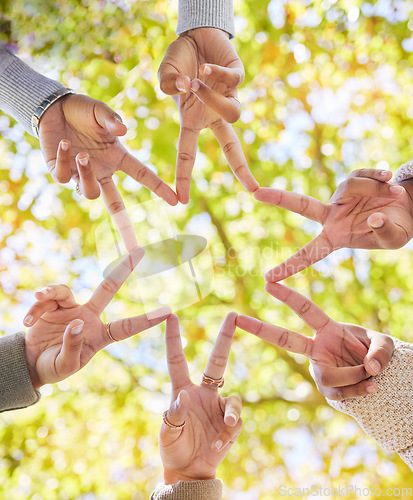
point(171, 425)
point(214, 382)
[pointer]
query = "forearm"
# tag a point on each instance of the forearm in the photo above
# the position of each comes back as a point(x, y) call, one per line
point(387, 415)
point(16, 389)
point(205, 13)
point(22, 89)
point(195, 490)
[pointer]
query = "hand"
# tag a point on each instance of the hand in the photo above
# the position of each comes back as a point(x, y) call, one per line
point(342, 355)
point(212, 422)
point(65, 335)
point(90, 152)
point(202, 70)
point(366, 211)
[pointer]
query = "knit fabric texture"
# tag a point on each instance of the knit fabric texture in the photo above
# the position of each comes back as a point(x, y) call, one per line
point(404, 172)
point(205, 13)
point(22, 89)
point(387, 415)
point(16, 390)
point(189, 490)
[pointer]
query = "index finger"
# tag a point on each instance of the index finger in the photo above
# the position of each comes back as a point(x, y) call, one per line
point(218, 358)
point(294, 202)
point(309, 312)
point(175, 357)
point(316, 250)
point(117, 211)
point(144, 175)
point(105, 292)
point(232, 149)
point(227, 106)
point(232, 76)
point(281, 337)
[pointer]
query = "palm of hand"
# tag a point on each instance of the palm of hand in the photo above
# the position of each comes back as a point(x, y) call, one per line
point(188, 54)
point(345, 225)
point(338, 344)
point(191, 452)
point(44, 340)
point(74, 119)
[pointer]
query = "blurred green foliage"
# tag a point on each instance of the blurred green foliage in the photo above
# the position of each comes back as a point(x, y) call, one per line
point(328, 89)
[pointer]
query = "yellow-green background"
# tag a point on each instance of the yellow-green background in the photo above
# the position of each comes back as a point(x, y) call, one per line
point(328, 89)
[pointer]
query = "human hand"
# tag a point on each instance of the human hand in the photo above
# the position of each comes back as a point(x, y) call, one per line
point(65, 335)
point(201, 70)
point(212, 422)
point(366, 211)
point(79, 140)
point(342, 355)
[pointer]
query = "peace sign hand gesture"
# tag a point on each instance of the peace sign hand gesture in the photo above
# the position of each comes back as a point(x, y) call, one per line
point(201, 70)
point(342, 355)
point(365, 212)
point(65, 335)
point(200, 426)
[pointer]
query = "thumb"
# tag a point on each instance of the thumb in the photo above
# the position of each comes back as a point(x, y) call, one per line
point(388, 234)
point(109, 120)
point(68, 360)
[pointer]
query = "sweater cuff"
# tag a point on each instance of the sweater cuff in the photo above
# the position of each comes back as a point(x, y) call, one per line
point(16, 389)
point(206, 13)
point(22, 89)
point(387, 415)
point(189, 490)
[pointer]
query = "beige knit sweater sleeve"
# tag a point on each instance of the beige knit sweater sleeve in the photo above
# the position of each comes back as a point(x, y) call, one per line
point(387, 415)
point(189, 490)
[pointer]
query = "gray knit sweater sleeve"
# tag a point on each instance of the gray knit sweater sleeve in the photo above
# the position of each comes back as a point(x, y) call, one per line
point(189, 490)
point(22, 89)
point(205, 13)
point(387, 415)
point(16, 390)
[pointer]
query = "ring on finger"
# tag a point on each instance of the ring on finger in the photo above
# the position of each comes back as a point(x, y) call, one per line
point(170, 424)
point(109, 334)
point(214, 382)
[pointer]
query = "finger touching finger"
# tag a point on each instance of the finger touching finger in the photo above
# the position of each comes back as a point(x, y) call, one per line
point(232, 77)
point(232, 149)
point(351, 391)
point(218, 358)
point(37, 310)
point(175, 357)
point(226, 438)
point(107, 289)
point(329, 376)
point(125, 328)
point(280, 337)
point(357, 186)
point(187, 146)
point(228, 108)
point(314, 251)
point(306, 206)
point(388, 234)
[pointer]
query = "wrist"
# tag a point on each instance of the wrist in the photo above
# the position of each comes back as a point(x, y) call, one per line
point(173, 477)
point(31, 367)
point(205, 30)
point(408, 186)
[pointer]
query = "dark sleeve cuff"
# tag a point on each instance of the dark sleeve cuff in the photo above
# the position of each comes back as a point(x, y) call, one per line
point(16, 389)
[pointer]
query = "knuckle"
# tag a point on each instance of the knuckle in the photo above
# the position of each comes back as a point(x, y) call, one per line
point(127, 326)
point(184, 156)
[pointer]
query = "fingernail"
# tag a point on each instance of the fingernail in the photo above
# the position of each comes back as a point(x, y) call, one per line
point(64, 145)
point(77, 329)
point(195, 86)
point(233, 416)
point(384, 173)
point(28, 320)
point(180, 86)
point(218, 444)
point(398, 190)
point(44, 291)
point(118, 119)
point(375, 221)
point(375, 366)
point(207, 70)
point(83, 161)
point(371, 388)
